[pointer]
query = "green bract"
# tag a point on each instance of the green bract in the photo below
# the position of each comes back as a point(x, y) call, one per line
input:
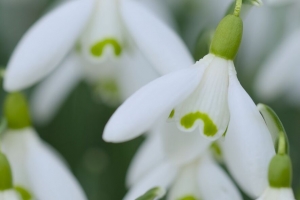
point(280, 171)
point(5, 174)
point(16, 111)
point(227, 38)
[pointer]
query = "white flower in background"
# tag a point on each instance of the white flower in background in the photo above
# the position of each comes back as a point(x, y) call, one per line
point(161, 162)
point(7, 192)
point(98, 36)
point(37, 168)
point(280, 74)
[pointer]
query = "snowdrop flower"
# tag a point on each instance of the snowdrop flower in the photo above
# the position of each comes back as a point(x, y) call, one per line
point(94, 37)
point(196, 178)
point(196, 97)
point(7, 192)
point(279, 75)
point(37, 168)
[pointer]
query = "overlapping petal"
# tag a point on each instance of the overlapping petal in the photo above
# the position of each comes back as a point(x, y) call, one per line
point(160, 44)
point(139, 112)
point(248, 146)
point(148, 156)
point(214, 183)
point(161, 176)
point(44, 46)
point(51, 93)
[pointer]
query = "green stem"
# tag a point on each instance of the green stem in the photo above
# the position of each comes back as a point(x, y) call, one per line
point(238, 7)
point(281, 144)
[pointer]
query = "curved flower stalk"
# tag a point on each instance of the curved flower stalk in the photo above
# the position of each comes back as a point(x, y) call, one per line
point(282, 69)
point(98, 36)
point(7, 192)
point(38, 170)
point(155, 165)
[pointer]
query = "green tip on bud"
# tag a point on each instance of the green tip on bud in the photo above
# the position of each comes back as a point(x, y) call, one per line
point(5, 173)
point(16, 111)
point(280, 171)
point(228, 37)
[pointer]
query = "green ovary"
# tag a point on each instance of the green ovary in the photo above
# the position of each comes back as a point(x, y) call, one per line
point(23, 192)
point(210, 129)
point(188, 198)
point(98, 48)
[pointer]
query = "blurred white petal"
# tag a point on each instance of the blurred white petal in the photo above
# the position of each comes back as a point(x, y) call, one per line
point(133, 73)
point(46, 44)
point(139, 112)
point(49, 177)
point(248, 146)
point(9, 195)
point(185, 184)
point(160, 44)
point(51, 93)
point(275, 76)
point(161, 176)
point(148, 156)
point(181, 147)
point(277, 194)
point(214, 183)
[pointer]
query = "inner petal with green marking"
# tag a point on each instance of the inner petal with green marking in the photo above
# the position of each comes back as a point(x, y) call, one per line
point(190, 197)
point(98, 48)
point(25, 194)
point(188, 121)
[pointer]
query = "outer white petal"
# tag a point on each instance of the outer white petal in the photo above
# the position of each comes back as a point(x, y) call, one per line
point(51, 93)
point(277, 194)
point(279, 2)
point(160, 45)
point(181, 147)
point(14, 145)
point(148, 156)
point(46, 44)
point(248, 146)
point(49, 177)
point(214, 183)
point(277, 71)
point(142, 109)
point(9, 195)
point(185, 184)
point(161, 176)
point(133, 73)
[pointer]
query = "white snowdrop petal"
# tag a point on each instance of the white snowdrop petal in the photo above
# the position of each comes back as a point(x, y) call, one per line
point(9, 195)
point(274, 77)
point(185, 184)
point(181, 147)
point(214, 183)
point(49, 177)
point(104, 35)
point(206, 108)
point(161, 176)
point(277, 194)
point(46, 44)
point(138, 113)
point(14, 146)
point(148, 156)
point(159, 43)
point(134, 72)
point(51, 93)
point(248, 146)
